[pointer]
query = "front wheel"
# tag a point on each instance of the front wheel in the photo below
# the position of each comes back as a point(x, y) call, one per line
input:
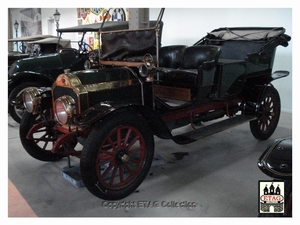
point(42, 138)
point(268, 114)
point(15, 102)
point(117, 156)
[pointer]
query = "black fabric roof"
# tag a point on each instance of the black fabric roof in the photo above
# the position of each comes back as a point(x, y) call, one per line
point(30, 38)
point(108, 26)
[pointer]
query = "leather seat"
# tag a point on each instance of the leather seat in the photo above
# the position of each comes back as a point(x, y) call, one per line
point(194, 61)
point(171, 56)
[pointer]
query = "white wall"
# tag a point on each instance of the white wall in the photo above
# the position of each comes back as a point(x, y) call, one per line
point(188, 25)
point(68, 18)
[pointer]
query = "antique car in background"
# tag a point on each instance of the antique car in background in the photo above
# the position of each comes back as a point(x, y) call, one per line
point(41, 71)
point(48, 45)
point(42, 59)
point(108, 116)
point(21, 76)
point(14, 56)
point(23, 47)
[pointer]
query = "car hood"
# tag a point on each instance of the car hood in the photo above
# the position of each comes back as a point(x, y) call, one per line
point(39, 64)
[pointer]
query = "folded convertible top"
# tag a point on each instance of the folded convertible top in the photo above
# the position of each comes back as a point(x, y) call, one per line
point(249, 33)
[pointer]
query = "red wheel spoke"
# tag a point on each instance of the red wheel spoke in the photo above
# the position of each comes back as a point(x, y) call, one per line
point(267, 113)
point(126, 138)
point(103, 159)
point(132, 142)
point(120, 157)
point(38, 140)
point(45, 145)
point(134, 151)
point(41, 130)
point(135, 161)
point(104, 152)
point(45, 137)
point(128, 169)
point(107, 170)
point(119, 139)
point(113, 175)
point(112, 144)
point(104, 162)
point(121, 174)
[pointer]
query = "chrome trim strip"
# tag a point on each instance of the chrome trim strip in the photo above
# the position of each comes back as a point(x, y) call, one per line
point(108, 85)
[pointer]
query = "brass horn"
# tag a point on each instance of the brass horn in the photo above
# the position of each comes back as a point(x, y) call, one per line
point(143, 70)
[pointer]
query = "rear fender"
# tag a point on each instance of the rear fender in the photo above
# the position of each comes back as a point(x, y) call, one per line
point(279, 74)
point(255, 85)
point(104, 109)
point(252, 98)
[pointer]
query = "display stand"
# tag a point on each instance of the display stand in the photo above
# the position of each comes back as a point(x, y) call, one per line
point(72, 174)
point(158, 160)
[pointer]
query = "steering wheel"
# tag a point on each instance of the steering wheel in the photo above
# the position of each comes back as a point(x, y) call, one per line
point(148, 57)
point(22, 48)
point(35, 51)
point(84, 47)
point(93, 55)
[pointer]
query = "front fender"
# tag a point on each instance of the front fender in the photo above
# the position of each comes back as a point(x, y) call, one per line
point(28, 76)
point(98, 112)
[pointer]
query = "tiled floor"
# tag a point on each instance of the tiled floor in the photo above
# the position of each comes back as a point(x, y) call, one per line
point(218, 178)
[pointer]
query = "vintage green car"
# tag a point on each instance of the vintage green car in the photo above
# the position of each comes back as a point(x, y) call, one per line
point(25, 47)
point(108, 116)
point(46, 58)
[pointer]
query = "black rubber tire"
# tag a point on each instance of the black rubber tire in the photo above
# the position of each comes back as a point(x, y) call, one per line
point(16, 112)
point(33, 147)
point(100, 156)
point(268, 114)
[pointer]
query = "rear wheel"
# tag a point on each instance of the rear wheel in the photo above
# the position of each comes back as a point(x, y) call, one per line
point(117, 156)
point(268, 114)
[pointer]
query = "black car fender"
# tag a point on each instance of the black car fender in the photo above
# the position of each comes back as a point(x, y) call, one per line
point(252, 97)
point(28, 76)
point(104, 109)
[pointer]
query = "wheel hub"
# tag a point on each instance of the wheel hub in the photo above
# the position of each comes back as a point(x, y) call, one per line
point(122, 157)
point(125, 158)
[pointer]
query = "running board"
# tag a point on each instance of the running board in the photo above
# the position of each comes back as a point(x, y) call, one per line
point(214, 128)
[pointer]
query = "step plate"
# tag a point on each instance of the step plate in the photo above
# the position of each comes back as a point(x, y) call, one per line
point(215, 128)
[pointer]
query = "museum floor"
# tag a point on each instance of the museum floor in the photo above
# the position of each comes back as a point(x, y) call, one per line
point(217, 177)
